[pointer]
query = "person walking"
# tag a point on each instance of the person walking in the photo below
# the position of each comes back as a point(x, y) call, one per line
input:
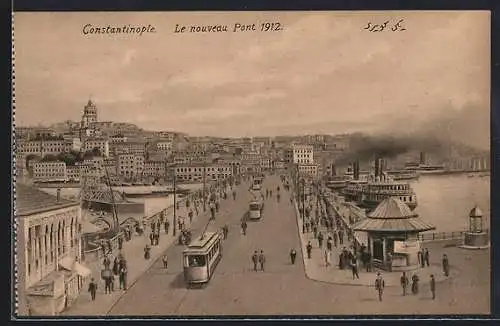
point(414, 284)
point(426, 257)
point(225, 231)
point(244, 227)
point(335, 238)
point(167, 226)
point(255, 260)
point(404, 283)
point(329, 243)
point(309, 249)
point(433, 287)
point(379, 286)
point(165, 261)
point(354, 267)
point(107, 285)
point(446, 265)
point(320, 240)
point(293, 256)
point(328, 258)
point(123, 278)
point(262, 260)
point(92, 289)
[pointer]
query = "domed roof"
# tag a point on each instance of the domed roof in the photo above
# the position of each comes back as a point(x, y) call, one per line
point(476, 212)
point(392, 208)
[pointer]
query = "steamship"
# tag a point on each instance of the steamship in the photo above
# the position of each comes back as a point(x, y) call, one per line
point(423, 167)
point(398, 175)
point(369, 192)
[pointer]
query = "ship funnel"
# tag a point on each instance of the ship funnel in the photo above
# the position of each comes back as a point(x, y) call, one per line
point(356, 170)
point(422, 158)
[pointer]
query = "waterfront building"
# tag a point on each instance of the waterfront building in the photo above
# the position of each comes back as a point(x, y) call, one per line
point(310, 170)
point(73, 173)
point(392, 230)
point(197, 172)
point(49, 270)
point(49, 171)
point(154, 168)
point(130, 165)
point(101, 143)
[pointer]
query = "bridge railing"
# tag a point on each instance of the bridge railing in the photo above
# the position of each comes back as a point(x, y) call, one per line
point(435, 236)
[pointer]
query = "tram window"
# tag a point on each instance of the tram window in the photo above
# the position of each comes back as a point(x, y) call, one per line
point(196, 261)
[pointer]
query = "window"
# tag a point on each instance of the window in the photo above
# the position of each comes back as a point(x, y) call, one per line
point(196, 261)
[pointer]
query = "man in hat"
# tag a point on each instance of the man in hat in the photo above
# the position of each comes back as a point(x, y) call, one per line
point(379, 286)
point(433, 287)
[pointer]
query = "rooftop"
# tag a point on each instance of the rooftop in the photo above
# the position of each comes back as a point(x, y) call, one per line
point(393, 215)
point(30, 200)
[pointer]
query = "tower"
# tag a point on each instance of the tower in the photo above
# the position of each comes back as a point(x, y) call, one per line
point(89, 114)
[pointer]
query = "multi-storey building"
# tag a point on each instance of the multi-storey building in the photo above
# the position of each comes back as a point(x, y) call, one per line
point(308, 170)
point(73, 173)
point(199, 172)
point(164, 145)
point(130, 165)
point(114, 139)
point(50, 274)
point(303, 154)
point(42, 147)
point(265, 163)
point(49, 171)
point(101, 143)
point(136, 147)
point(154, 169)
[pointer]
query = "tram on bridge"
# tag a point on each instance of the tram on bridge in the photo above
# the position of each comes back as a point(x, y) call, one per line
point(201, 258)
point(255, 209)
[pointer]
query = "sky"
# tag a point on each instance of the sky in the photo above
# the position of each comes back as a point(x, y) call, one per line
point(324, 73)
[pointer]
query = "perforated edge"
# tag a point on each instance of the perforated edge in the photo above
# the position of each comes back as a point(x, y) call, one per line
point(14, 178)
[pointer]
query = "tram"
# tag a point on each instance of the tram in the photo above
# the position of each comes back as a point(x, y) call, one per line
point(255, 210)
point(201, 257)
point(257, 183)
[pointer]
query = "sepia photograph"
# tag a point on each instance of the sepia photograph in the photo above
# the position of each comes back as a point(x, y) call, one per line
point(292, 163)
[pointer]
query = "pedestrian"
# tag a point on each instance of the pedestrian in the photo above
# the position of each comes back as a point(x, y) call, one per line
point(244, 227)
point(112, 282)
point(328, 258)
point(320, 240)
point(329, 243)
point(420, 256)
point(379, 286)
point(335, 238)
point(433, 287)
point(152, 238)
point(309, 250)
point(115, 266)
point(354, 268)
point(341, 237)
point(92, 288)
point(107, 284)
point(106, 262)
point(255, 260)
point(120, 243)
point(303, 227)
point(414, 284)
point(165, 261)
point(426, 257)
point(262, 260)
point(293, 256)
point(190, 215)
point(315, 230)
point(446, 265)
point(225, 231)
point(123, 278)
point(404, 283)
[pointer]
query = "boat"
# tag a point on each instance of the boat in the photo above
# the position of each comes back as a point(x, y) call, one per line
point(370, 192)
point(398, 175)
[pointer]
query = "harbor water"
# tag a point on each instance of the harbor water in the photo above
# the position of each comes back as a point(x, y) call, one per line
point(446, 200)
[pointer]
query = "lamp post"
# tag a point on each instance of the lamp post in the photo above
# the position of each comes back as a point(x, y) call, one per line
point(204, 185)
point(175, 200)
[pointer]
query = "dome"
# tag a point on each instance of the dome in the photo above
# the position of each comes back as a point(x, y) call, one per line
point(476, 212)
point(392, 208)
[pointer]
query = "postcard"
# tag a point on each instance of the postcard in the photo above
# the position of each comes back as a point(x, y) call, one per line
point(252, 163)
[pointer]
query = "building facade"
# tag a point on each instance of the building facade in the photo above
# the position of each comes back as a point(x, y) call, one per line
point(50, 274)
point(100, 143)
point(49, 172)
point(200, 172)
point(303, 154)
point(130, 165)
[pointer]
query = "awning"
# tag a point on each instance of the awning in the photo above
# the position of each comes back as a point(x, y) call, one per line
point(82, 270)
point(67, 262)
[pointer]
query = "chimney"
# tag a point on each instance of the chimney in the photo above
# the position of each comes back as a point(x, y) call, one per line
point(377, 167)
point(422, 158)
point(58, 195)
point(356, 170)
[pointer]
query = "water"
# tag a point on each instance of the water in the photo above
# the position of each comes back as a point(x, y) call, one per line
point(446, 200)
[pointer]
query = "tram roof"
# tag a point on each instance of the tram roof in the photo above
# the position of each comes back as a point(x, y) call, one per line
point(201, 244)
